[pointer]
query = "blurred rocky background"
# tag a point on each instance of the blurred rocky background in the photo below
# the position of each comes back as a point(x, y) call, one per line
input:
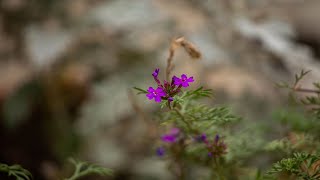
point(67, 68)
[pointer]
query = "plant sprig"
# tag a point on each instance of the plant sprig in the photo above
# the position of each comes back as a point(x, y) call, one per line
point(303, 165)
point(198, 93)
point(16, 171)
point(84, 168)
point(297, 80)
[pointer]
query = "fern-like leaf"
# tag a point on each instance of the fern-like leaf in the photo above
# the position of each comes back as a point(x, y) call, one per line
point(85, 168)
point(16, 171)
point(303, 165)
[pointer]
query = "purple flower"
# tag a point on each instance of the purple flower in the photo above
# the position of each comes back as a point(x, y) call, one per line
point(155, 73)
point(156, 94)
point(184, 81)
point(202, 138)
point(167, 90)
point(218, 147)
point(174, 131)
point(216, 139)
point(155, 76)
point(160, 151)
point(172, 136)
point(169, 138)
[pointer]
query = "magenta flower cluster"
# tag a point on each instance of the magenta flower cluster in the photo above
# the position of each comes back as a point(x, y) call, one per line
point(167, 90)
point(216, 148)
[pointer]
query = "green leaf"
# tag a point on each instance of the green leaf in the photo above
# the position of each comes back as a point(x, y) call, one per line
point(140, 91)
point(197, 94)
point(206, 116)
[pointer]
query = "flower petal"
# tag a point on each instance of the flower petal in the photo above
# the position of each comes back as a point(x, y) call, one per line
point(183, 76)
point(176, 80)
point(159, 90)
point(150, 96)
point(151, 90)
point(185, 84)
point(174, 131)
point(157, 98)
point(190, 79)
point(168, 138)
point(156, 72)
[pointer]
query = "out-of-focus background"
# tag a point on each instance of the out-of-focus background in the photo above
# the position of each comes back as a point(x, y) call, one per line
point(67, 67)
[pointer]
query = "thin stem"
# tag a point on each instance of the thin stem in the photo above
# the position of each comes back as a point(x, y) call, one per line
point(181, 174)
point(189, 48)
point(78, 173)
point(176, 168)
point(75, 174)
point(220, 176)
point(169, 105)
point(185, 121)
point(169, 62)
point(306, 90)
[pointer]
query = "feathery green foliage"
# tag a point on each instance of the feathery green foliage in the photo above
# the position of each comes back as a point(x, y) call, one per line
point(303, 165)
point(302, 144)
point(202, 118)
point(187, 97)
point(16, 171)
point(312, 100)
point(197, 94)
point(85, 168)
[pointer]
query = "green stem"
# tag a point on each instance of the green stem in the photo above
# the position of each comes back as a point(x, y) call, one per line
point(185, 121)
point(77, 174)
point(181, 174)
point(218, 169)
